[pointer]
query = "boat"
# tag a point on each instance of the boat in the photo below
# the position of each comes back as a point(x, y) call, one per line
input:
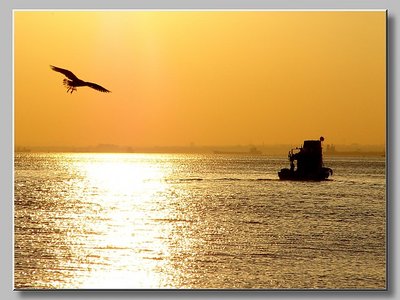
point(252, 151)
point(309, 163)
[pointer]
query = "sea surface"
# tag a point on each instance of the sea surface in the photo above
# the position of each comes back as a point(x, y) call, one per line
point(187, 221)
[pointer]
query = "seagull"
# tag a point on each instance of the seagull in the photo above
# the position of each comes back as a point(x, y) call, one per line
point(74, 81)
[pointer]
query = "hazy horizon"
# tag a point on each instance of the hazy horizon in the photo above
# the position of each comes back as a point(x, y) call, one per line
point(278, 149)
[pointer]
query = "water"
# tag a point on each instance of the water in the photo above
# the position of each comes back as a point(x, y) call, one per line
point(134, 221)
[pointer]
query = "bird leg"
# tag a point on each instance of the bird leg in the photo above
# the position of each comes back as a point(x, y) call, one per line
point(70, 87)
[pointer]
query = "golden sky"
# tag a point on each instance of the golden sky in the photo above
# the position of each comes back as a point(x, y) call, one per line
point(203, 77)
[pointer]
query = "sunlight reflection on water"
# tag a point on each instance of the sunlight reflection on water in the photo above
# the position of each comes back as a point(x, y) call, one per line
point(107, 221)
point(126, 191)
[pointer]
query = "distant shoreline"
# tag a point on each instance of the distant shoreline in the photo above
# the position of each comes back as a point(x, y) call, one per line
point(249, 149)
point(260, 154)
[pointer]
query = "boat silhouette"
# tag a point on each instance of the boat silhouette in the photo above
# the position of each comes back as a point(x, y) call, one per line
point(309, 162)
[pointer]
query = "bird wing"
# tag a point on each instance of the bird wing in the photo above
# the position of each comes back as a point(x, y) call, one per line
point(97, 87)
point(67, 73)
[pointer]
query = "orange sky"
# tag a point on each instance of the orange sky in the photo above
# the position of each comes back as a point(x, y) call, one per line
point(203, 77)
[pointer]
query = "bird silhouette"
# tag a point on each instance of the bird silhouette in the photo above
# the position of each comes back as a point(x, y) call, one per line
point(73, 82)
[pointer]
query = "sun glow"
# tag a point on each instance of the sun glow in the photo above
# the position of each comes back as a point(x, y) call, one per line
point(208, 77)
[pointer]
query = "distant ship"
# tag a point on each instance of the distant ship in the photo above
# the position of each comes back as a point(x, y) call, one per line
point(309, 163)
point(252, 151)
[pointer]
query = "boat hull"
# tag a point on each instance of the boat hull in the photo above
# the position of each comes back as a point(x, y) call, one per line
point(322, 174)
